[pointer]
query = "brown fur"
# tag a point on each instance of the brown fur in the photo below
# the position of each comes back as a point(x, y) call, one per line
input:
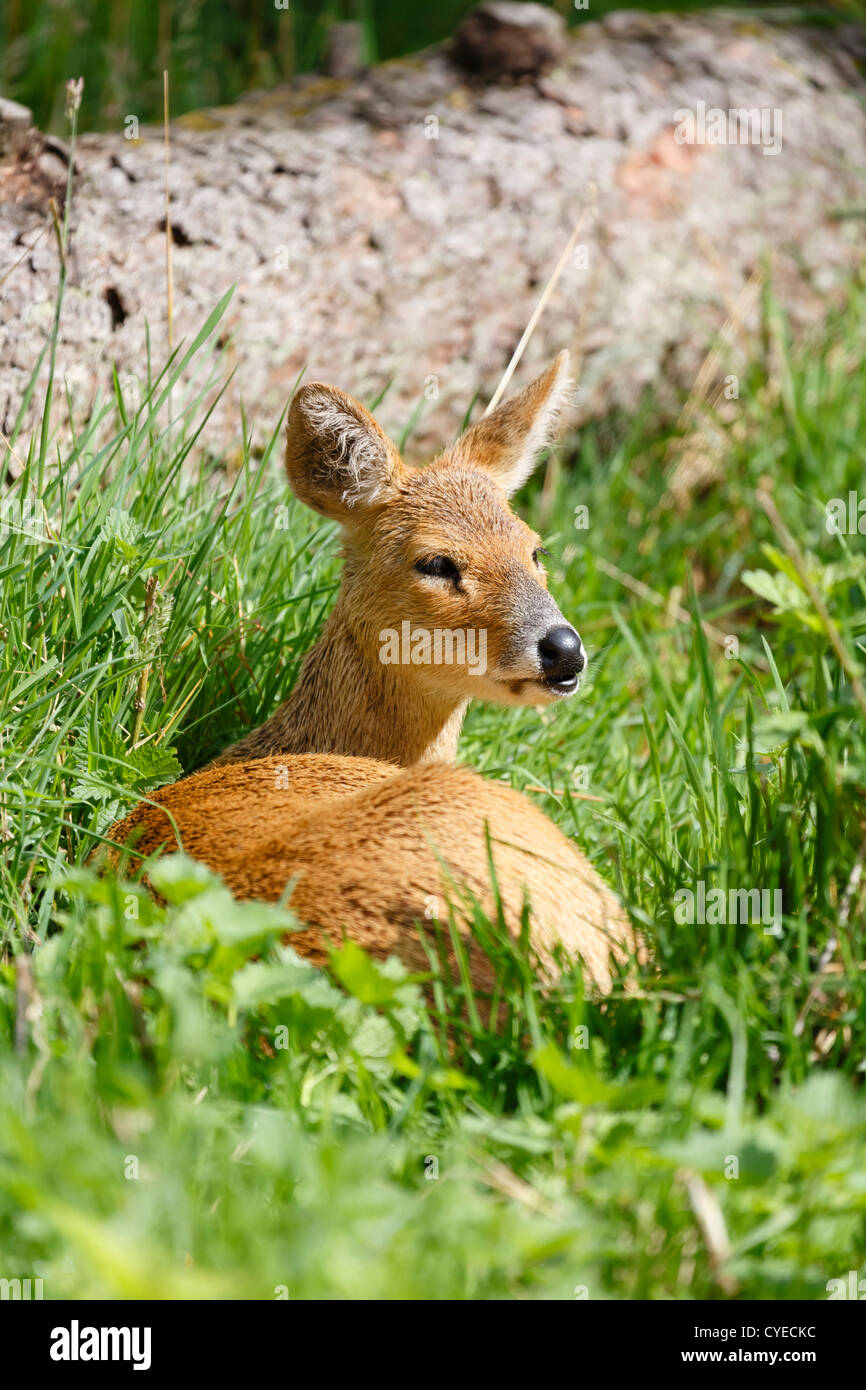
point(316, 793)
point(345, 700)
point(370, 861)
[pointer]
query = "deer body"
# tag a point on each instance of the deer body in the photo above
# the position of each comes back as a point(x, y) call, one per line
point(347, 789)
point(373, 852)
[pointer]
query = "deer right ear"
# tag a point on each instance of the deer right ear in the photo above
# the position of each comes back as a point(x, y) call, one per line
point(338, 460)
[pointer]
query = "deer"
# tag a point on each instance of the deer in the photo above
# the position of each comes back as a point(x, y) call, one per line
point(348, 795)
point(438, 548)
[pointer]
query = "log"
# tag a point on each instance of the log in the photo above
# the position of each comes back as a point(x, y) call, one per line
point(398, 227)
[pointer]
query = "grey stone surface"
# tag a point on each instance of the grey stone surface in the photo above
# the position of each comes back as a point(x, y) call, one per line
point(368, 252)
point(15, 123)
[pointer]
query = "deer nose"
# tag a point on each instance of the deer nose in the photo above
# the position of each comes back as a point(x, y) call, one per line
point(561, 654)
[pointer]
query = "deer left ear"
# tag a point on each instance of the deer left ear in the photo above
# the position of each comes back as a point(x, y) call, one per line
point(506, 443)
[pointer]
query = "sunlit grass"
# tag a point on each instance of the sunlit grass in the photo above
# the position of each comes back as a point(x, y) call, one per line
point(177, 1121)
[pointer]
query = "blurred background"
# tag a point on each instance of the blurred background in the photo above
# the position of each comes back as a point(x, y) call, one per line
point(216, 49)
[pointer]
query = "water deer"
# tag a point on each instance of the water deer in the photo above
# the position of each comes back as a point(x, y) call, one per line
point(349, 791)
point(425, 551)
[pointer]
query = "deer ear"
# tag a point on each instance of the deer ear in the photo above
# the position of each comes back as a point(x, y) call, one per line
point(506, 443)
point(338, 460)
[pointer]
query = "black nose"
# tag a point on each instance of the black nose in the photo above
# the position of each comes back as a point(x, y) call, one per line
point(561, 653)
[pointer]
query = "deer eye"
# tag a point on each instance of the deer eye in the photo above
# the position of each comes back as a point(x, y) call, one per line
point(439, 567)
point(537, 554)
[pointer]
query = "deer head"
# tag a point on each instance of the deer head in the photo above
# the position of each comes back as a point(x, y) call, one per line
point(440, 575)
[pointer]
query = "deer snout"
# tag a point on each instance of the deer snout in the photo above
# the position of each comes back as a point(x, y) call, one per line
point(562, 657)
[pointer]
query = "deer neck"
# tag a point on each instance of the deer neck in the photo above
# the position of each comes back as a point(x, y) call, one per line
point(344, 702)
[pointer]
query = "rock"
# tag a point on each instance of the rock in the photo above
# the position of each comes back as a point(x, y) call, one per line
point(15, 124)
point(344, 52)
point(52, 168)
point(507, 39)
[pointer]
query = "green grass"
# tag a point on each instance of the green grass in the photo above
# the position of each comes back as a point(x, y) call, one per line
point(176, 1120)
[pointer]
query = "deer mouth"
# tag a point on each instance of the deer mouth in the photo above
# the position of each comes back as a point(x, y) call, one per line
point(566, 685)
point(560, 689)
